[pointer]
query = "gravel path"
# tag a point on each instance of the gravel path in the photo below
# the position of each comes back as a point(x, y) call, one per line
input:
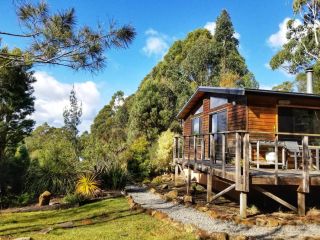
point(203, 221)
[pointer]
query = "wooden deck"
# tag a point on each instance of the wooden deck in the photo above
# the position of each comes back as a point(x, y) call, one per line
point(241, 169)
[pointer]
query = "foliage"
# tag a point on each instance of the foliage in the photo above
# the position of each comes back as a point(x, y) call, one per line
point(151, 112)
point(115, 177)
point(286, 86)
point(53, 161)
point(72, 119)
point(302, 49)
point(55, 38)
point(163, 154)
point(138, 160)
point(16, 104)
point(87, 185)
point(74, 198)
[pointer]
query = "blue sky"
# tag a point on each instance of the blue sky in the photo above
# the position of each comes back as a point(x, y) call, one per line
point(158, 25)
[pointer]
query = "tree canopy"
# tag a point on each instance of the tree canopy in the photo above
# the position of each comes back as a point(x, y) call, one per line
point(55, 38)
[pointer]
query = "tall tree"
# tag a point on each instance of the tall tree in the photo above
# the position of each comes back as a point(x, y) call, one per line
point(16, 104)
point(302, 49)
point(55, 38)
point(72, 119)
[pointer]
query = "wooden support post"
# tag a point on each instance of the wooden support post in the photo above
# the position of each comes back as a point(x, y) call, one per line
point(317, 159)
point(238, 162)
point(195, 152)
point(174, 149)
point(223, 164)
point(176, 174)
point(243, 205)
point(276, 166)
point(178, 148)
point(283, 158)
point(214, 144)
point(211, 148)
point(209, 184)
point(295, 161)
point(189, 170)
point(202, 149)
point(258, 154)
point(246, 164)
point(305, 163)
point(304, 188)
point(250, 152)
point(301, 203)
point(183, 150)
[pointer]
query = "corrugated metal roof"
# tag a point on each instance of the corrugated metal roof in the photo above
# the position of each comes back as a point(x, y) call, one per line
point(233, 91)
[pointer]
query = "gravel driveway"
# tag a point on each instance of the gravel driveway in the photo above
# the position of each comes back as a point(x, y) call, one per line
point(203, 221)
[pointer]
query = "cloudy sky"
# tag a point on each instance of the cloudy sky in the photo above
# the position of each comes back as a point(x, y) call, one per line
point(260, 27)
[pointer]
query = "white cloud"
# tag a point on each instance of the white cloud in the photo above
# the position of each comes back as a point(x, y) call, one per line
point(156, 43)
point(52, 97)
point(211, 27)
point(279, 38)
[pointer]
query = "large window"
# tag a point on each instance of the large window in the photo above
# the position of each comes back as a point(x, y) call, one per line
point(219, 124)
point(298, 120)
point(196, 126)
point(217, 101)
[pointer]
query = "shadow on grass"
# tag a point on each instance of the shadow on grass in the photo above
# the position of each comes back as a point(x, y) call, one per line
point(62, 216)
point(97, 219)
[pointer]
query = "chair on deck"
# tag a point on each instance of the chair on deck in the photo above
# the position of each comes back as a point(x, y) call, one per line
point(294, 151)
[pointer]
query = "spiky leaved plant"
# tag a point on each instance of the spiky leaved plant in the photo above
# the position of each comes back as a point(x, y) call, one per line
point(87, 185)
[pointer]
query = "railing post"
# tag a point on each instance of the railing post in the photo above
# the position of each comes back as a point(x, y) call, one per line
point(317, 158)
point(178, 151)
point(238, 162)
point(246, 164)
point(189, 170)
point(195, 152)
point(183, 150)
point(305, 163)
point(258, 154)
point(211, 148)
point(276, 166)
point(223, 164)
point(304, 188)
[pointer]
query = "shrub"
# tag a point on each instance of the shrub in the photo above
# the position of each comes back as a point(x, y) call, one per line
point(74, 198)
point(87, 185)
point(163, 153)
point(115, 177)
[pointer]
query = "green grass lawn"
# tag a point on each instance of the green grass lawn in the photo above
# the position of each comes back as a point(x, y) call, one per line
point(108, 219)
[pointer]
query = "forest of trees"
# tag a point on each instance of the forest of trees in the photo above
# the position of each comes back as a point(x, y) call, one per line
point(131, 137)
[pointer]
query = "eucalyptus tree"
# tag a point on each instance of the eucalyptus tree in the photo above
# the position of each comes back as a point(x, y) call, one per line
point(302, 49)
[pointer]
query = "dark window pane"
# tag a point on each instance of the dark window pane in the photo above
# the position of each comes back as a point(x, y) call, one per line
point(196, 125)
point(216, 102)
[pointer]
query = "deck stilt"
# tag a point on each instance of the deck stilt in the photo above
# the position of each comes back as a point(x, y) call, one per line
point(243, 204)
point(209, 185)
point(301, 204)
point(176, 174)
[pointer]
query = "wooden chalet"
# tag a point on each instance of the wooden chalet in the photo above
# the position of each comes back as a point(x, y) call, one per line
point(250, 139)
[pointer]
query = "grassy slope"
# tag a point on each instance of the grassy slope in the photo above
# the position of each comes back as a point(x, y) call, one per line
point(108, 219)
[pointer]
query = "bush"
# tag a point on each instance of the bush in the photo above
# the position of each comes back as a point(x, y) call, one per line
point(115, 177)
point(74, 198)
point(87, 185)
point(163, 153)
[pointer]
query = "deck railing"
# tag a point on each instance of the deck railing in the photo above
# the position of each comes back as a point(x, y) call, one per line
point(241, 149)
